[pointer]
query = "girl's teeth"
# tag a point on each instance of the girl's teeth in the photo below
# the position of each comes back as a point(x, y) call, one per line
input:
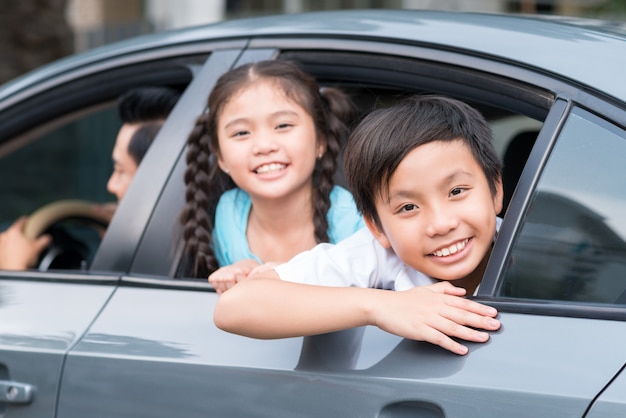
point(451, 249)
point(270, 167)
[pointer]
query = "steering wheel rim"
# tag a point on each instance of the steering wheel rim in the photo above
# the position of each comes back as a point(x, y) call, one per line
point(45, 219)
point(49, 214)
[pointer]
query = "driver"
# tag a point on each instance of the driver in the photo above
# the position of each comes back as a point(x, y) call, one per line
point(142, 112)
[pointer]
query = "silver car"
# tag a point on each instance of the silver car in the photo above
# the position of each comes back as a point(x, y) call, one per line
point(113, 327)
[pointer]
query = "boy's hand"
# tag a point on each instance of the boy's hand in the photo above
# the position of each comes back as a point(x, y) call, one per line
point(226, 277)
point(434, 314)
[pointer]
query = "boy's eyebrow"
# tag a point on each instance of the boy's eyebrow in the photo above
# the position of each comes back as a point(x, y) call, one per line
point(455, 174)
point(410, 193)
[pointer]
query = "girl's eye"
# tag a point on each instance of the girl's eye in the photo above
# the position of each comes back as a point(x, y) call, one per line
point(283, 125)
point(240, 133)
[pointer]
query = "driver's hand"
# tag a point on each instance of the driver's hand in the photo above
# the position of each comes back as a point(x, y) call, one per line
point(17, 252)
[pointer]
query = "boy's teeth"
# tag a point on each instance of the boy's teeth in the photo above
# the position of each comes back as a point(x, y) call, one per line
point(451, 249)
point(270, 167)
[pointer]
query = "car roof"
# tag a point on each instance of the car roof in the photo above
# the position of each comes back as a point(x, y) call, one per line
point(589, 52)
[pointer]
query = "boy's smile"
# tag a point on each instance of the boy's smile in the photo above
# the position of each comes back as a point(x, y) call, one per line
point(438, 214)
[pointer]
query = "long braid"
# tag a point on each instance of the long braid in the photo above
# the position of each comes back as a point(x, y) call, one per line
point(204, 184)
point(337, 113)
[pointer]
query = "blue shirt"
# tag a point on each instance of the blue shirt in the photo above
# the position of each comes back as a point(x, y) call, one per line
point(231, 222)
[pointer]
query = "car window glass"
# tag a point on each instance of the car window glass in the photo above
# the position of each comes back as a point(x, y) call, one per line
point(572, 244)
point(72, 161)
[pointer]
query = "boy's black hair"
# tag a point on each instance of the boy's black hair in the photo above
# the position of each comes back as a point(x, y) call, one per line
point(384, 137)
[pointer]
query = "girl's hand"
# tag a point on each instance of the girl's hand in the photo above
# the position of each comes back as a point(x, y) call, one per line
point(226, 277)
point(263, 268)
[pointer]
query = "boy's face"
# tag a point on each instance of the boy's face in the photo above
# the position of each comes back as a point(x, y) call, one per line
point(439, 216)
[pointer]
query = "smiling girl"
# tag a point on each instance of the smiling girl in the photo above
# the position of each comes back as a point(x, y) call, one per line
point(260, 172)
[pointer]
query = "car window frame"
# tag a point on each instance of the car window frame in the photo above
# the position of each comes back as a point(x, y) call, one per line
point(513, 222)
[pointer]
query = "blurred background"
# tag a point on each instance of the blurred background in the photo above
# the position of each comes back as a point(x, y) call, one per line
point(35, 32)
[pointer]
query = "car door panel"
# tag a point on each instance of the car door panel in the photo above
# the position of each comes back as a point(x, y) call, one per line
point(158, 352)
point(39, 323)
point(160, 349)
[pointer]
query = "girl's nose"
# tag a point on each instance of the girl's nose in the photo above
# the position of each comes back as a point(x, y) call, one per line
point(264, 143)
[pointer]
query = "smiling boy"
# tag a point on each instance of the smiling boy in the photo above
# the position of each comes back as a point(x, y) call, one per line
point(427, 180)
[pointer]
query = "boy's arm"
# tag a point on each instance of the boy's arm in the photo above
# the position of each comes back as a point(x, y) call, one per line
point(267, 307)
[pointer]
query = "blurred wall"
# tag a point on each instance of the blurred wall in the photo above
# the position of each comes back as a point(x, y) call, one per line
point(32, 33)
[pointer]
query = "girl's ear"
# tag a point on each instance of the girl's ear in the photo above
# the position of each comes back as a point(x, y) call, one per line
point(377, 232)
point(222, 164)
point(321, 147)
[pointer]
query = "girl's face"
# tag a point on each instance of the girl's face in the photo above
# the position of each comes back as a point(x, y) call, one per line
point(268, 143)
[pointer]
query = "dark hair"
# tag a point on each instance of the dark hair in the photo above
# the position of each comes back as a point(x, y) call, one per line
point(142, 139)
point(384, 137)
point(146, 104)
point(330, 110)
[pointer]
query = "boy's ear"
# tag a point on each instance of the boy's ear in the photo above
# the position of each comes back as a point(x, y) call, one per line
point(499, 196)
point(377, 232)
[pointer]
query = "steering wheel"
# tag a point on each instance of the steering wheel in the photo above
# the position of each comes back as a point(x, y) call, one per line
point(61, 220)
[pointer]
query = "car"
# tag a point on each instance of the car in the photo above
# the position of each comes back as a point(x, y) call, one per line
point(120, 329)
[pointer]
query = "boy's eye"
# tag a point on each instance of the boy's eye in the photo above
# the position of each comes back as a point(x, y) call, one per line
point(456, 191)
point(408, 208)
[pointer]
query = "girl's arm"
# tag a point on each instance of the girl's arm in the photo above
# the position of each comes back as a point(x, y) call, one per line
point(267, 307)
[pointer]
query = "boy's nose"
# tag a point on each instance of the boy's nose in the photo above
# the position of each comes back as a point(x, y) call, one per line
point(441, 221)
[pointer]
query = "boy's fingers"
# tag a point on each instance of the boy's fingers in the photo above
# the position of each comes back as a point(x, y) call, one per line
point(447, 288)
point(435, 336)
point(472, 306)
point(463, 317)
point(454, 329)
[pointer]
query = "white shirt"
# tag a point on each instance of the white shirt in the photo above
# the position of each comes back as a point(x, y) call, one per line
point(357, 261)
